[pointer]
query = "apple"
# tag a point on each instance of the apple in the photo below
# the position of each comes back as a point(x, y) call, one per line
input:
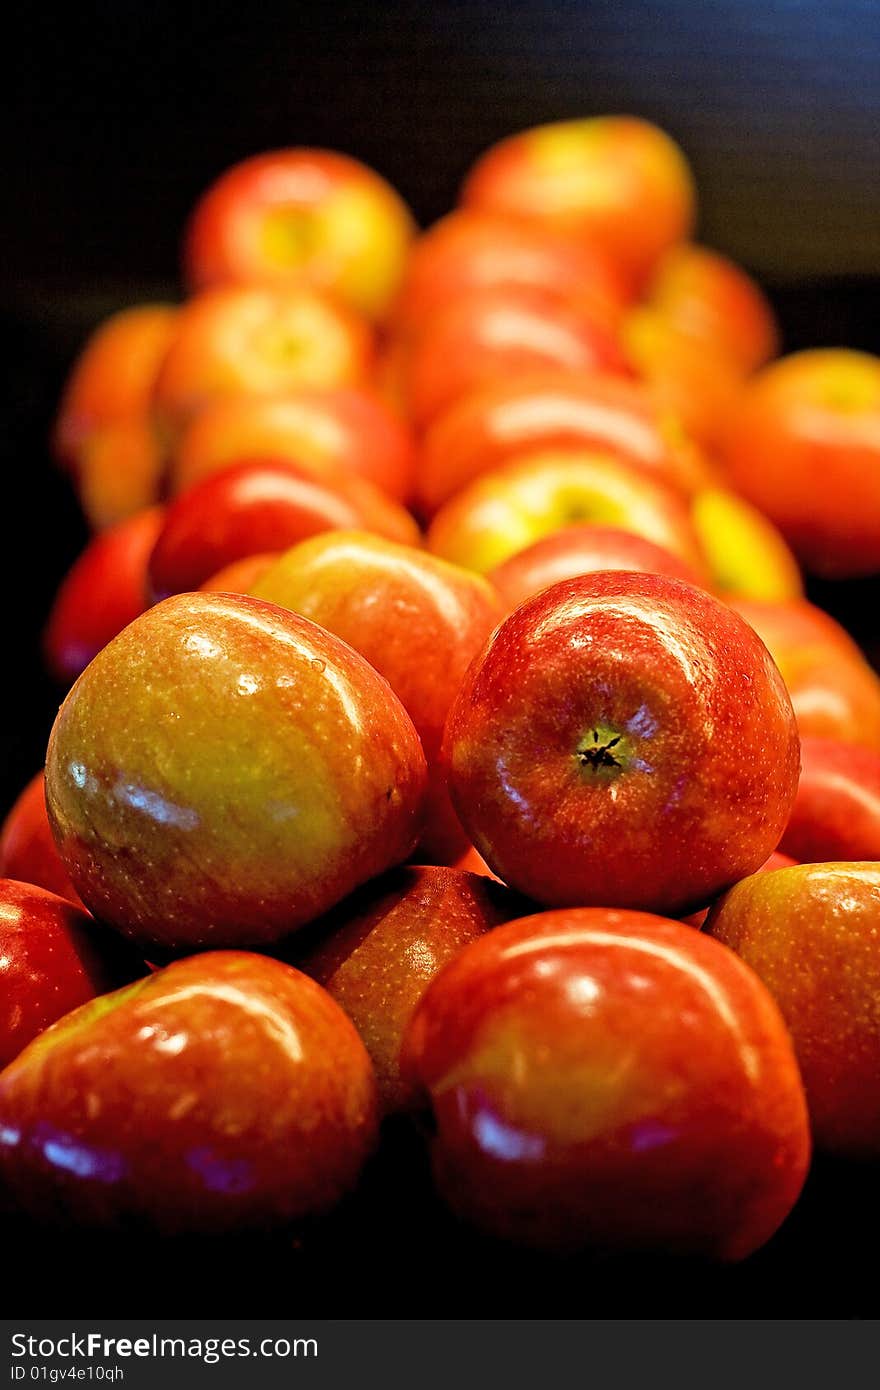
point(711, 299)
point(834, 691)
point(225, 771)
point(377, 952)
point(302, 217)
point(257, 340)
point(685, 377)
point(541, 493)
point(619, 183)
point(836, 814)
point(113, 377)
point(120, 471)
point(103, 591)
point(52, 959)
point(552, 410)
point(238, 577)
point(578, 550)
point(27, 849)
point(804, 446)
point(623, 740)
point(776, 860)
point(227, 1091)
point(332, 431)
point(473, 863)
point(810, 933)
point(418, 620)
point(499, 334)
point(746, 555)
point(467, 252)
point(610, 1079)
point(260, 507)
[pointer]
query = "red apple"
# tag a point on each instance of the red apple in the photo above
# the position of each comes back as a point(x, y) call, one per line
point(257, 340)
point(27, 849)
point(582, 550)
point(418, 620)
point(377, 952)
point(549, 411)
point(836, 814)
point(332, 432)
point(104, 590)
point(804, 446)
point(302, 217)
point(260, 507)
point(623, 740)
point(610, 1079)
point(225, 771)
point(222, 1092)
point(713, 300)
point(52, 959)
point(810, 932)
point(617, 182)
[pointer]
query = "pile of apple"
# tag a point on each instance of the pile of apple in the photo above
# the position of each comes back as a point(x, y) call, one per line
point(449, 733)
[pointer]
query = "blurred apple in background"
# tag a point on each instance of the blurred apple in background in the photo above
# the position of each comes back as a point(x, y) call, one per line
point(685, 377)
point(744, 552)
point(262, 771)
point(121, 470)
point(302, 217)
point(710, 298)
point(134, 1112)
point(836, 814)
point(238, 577)
point(27, 849)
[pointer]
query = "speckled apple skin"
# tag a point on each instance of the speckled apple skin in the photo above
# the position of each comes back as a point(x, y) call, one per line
point(377, 952)
point(812, 933)
point(225, 1091)
point(225, 771)
point(704, 771)
point(602, 1079)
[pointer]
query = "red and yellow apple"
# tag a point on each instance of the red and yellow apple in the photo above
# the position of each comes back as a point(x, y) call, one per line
point(711, 299)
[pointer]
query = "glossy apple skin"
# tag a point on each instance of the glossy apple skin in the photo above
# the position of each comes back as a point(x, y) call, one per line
point(617, 182)
point(623, 740)
point(591, 1070)
point(132, 1111)
point(834, 691)
point(500, 334)
point(120, 471)
point(547, 411)
point(685, 376)
point(113, 377)
point(239, 577)
point(804, 446)
point(27, 849)
point(104, 590)
point(710, 298)
point(260, 507)
point(332, 432)
point(377, 952)
point(302, 216)
point(263, 770)
point(746, 555)
point(582, 550)
point(810, 933)
point(52, 959)
point(258, 340)
point(775, 861)
point(418, 620)
point(541, 493)
point(836, 814)
point(468, 252)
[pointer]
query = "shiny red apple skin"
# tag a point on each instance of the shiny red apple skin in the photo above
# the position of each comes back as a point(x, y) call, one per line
point(583, 550)
point(226, 1091)
point(623, 740)
point(27, 849)
point(418, 620)
point(52, 959)
point(810, 932)
point(259, 507)
point(836, 814)
point(591, 1070)
point(104, 590)
point(261, 772)
point(377, 952)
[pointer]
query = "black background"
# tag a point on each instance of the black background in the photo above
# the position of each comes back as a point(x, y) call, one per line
point(117, 114)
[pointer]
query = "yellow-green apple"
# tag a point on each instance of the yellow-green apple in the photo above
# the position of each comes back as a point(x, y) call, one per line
point(610, 1079)
point(623, 740)
point(226, 1091)
point(746, 555)
point(257, 771)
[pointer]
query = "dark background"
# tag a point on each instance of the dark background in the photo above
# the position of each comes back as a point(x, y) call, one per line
point(117, 114)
